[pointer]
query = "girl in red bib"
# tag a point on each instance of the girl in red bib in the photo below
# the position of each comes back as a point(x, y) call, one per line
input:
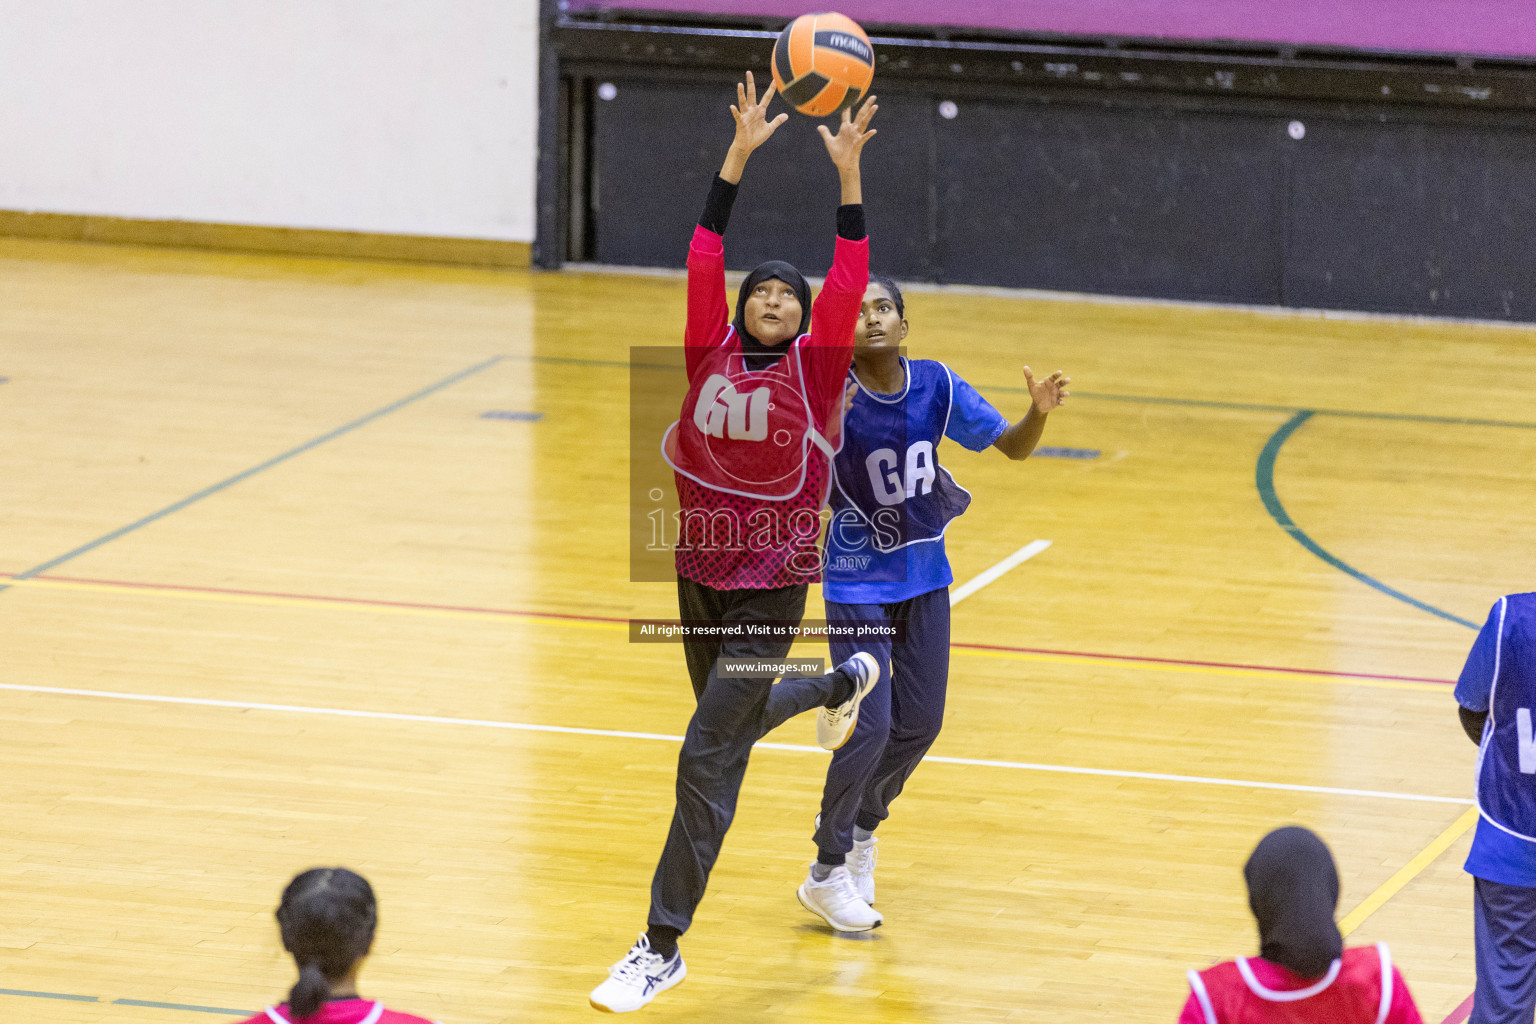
point(1303, 974)
point(327, 918)
point(751, 452)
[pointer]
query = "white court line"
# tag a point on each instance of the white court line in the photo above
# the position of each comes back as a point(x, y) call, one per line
point(1019, 557)
point(483, 723)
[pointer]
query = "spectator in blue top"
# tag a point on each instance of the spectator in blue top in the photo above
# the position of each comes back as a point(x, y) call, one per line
point(891, 503)
point(1496, 694)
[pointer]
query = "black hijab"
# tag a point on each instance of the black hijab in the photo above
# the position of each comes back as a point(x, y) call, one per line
point(1293, 890)
point(773, 270)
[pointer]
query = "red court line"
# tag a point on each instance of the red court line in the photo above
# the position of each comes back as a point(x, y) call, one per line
point(1204, 664)
point(364, 602)
point(566, 616)
point(1461, 1012)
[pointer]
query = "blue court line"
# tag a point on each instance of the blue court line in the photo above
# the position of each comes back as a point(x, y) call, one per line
point(261, 467)
point(1357, 414)
point(1047, 451)
point(223, 1010)
point(181, 1006)
point(1198, 403)
point(48, 995)
point(1265, 478)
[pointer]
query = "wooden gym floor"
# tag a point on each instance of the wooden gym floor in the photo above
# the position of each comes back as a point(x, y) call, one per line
point(279, 594)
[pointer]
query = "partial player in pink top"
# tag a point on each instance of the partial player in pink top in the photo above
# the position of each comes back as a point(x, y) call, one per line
point(339, 1011)
point(327, 917)
point(1303, 974)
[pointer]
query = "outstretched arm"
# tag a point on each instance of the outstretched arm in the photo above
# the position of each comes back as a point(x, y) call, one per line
point(708, 309)
point(1019, 440)
point(752, 127)
point(836, 310)
point(847, 145)
point(835, 313)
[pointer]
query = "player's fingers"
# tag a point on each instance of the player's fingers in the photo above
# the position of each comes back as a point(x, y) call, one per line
point(825, 134)
point(779, 120)
point(1028, 376)
point(751, 89)
point(769, 94)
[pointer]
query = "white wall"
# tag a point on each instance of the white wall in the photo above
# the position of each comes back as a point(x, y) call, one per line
point(395, 116)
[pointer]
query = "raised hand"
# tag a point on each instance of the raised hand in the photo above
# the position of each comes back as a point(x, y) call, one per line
point(752, 125)
point(1049, 393)
point(844, 147)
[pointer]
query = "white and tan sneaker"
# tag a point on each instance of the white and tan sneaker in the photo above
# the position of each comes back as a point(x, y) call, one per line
point(861, 865)
point(835, 725)
point(637, 979)
point(836, 902)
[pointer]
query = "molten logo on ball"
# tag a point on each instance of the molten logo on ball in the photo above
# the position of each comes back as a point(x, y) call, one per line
point(823, 63)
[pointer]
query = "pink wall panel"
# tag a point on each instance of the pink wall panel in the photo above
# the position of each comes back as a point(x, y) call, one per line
point(1488, 27)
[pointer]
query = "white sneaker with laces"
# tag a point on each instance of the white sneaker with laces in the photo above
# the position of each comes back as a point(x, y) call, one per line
point(835, 725)
point(861, 865)
point(637, 979)
point(836, 902)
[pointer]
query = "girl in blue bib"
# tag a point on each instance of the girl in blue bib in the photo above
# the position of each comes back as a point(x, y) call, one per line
point(891, 502)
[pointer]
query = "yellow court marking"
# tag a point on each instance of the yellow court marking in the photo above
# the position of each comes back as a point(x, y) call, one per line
point(1408, 872)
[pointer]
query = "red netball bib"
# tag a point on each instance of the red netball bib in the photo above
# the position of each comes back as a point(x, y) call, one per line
point(747, 432)
point(1356, 990)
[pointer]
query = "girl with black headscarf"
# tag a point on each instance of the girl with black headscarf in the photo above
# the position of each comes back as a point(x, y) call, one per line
point(1303, 974)
point(751, 452)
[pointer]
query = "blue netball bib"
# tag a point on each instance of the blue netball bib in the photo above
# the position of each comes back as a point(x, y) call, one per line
point(1506, 763)
point(889, 488)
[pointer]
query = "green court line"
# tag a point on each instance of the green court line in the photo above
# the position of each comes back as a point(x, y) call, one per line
point(1264, 476)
